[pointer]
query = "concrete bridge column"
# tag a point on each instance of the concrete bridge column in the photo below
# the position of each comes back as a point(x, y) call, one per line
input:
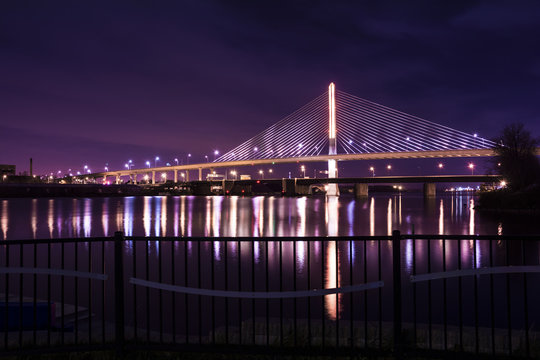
point(430, 189)
point(300, 189)
point(288, 187)
point(175, 176)
point(117, 179)
point(360, 190)
point(187, 175)
point(153, 177)
point(200, 174)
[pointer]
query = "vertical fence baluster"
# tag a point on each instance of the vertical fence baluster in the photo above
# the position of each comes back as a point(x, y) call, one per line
point(186, 311)
point(103, 292)
point(267, 302)
point(445, 309)
point(159, 249)
point(34, 330)
point(90, 243)
point(6, 294)
point(294, 287)
point(476, 334)
point(280, 289)
point(49, 300)
point(21, 264)
point(239, 253)
point(415, 322)
point(336, 245)
point(460, 298)
point(309, 288)
point(351, 297)
point(226, 264)
point(430, 333)
point(212, 271)
point(492, 299)
point(134, 272)
point(62, 266)
point(199, 284)
point(147, 274)
point(525, 302)
point(508, 299)
point(322, 297)
point(173, 294)
point(396, 280)
point(253, 286)
point(379, 272)
point(365, 298)
point(76, 283)
point(119, 292)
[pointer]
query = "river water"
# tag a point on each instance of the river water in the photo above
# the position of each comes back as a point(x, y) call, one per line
point(251, 265)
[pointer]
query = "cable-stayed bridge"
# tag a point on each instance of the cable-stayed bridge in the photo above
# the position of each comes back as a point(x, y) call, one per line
point(337, 126)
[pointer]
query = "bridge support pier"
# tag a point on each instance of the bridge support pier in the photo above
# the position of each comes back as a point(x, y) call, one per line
point(360, 190)
point(200, 174)
point(153, 178)
point(288, 187)
point(430, 189)
point(187, 175)
point(301, 189)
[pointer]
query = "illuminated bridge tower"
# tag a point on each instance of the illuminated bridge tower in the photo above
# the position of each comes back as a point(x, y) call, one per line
point(332, 189)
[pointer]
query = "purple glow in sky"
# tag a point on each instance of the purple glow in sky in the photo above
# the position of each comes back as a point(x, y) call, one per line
point(101, 82)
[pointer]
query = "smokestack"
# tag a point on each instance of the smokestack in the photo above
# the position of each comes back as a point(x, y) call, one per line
point(30, 166)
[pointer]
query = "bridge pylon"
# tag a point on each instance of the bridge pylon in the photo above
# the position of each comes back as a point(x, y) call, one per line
point(332, 189)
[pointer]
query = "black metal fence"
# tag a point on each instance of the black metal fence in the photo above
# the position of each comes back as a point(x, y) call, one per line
point(400, 294)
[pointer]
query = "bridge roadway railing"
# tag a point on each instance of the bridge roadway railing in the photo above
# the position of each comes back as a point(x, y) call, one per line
point(401, 295)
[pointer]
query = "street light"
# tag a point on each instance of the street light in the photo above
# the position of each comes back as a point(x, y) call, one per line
point(188, 156)
point(233, 173)
point(156, 160)
point(148, 164)
point(216, 153)
point(183, 176)
point(471, 166)
point(176, 160)
point(261, 173)
point(388, 168)
point(303, 168)
point(206, 157)
point(372, 169)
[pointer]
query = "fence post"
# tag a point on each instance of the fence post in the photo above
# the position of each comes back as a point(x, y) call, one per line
point(119, 292)
point(396, 261)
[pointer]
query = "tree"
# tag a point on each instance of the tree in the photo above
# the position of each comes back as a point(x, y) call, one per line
point(516, 157)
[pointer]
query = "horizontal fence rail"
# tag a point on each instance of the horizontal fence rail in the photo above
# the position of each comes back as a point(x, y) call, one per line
point(402, 294)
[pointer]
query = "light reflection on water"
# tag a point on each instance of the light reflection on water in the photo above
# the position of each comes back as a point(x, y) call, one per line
point(238, 216)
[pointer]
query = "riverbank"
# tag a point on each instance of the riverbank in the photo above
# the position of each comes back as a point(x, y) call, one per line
point(71, 190)
point(506, 200)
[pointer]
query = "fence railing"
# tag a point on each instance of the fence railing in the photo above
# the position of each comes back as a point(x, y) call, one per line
point(399, 294)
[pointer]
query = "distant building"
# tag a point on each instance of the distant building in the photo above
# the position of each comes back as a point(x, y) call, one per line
point(7, 170)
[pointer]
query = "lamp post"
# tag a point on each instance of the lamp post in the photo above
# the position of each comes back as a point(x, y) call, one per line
point(187, 160)
point(440, 166)
point(388, 168)
point(156, 160)
point(176, 160)
point(261, 173)
point(233, 173)
point(303, 169)
point(216, 153)
point(471, 166)
point(206, 157)
point(372, 169)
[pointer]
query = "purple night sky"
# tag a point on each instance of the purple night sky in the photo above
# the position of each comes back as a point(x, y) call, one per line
point(96, 82)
